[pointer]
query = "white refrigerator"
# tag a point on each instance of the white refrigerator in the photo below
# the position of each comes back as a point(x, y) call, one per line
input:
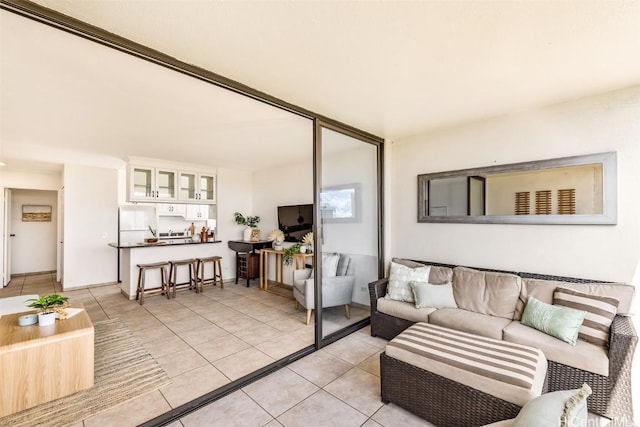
point(134, 222)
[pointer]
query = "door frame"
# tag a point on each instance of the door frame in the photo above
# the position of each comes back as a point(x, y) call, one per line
point(318, 125)
point(6, 238)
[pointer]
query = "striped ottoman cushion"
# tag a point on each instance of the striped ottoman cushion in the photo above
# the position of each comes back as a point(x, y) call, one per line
point(512, 372)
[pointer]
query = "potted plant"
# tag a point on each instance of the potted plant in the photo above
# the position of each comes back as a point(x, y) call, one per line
point(287, 257)
point(48, 306)
point(249, 221)
point(154, 233)
point(307, 240)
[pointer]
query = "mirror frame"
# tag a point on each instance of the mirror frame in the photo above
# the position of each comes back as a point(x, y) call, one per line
point(609, 214)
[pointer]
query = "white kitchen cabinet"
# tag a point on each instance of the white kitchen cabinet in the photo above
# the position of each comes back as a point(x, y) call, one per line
point(197, 187)
point(152, 184)
point(172, 209)
point(197, 212)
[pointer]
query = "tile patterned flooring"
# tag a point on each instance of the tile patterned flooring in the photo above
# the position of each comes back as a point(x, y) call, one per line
point(198, 341)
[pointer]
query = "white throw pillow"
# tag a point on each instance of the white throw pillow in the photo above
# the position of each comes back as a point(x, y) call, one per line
point(564, 408)
point(330, 264)
point(399, 278)
point(436, 296)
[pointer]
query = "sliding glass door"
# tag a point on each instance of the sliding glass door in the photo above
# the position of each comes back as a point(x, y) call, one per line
point(348, 240)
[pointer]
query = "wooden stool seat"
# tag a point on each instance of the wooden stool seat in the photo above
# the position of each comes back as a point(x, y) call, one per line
point(217, 273)
point(141, 290)
point(173, 273)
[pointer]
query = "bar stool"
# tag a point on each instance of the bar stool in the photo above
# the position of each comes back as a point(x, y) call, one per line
point(217, 273)
point(173, 273)
point(141, 290)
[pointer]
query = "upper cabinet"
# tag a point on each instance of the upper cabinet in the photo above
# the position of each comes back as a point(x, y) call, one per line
point(164, 183)
point(149, 184)
point(197, 187)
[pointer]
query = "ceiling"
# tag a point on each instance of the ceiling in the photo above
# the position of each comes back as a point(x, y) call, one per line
point(392, 68)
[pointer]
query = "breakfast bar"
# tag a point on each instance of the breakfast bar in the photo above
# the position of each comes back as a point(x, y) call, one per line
point(133, 254)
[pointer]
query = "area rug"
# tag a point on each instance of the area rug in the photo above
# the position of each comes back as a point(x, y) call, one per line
point(123, 370)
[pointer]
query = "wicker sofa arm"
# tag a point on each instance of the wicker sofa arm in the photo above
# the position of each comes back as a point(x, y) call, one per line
point(377, 290)
point(622, 342)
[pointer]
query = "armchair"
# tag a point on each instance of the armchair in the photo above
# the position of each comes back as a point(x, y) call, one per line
point(336, 290)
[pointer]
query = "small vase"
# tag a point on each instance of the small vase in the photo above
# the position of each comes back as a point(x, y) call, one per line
point(46, 319)
point(246, 234)
point(303, 249)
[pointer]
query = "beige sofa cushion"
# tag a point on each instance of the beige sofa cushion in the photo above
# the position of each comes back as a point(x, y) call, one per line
point(468, 321)
point(495, 294)
point(585, 356)
point(543, 290)
point(437, 276)
point(404, 310)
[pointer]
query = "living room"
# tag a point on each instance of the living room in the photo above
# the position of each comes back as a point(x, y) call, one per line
point(573, 124)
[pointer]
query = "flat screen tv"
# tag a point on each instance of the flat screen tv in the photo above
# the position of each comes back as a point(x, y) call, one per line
point(295, 221)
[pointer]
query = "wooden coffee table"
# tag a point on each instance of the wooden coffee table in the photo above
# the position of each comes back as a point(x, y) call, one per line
point(39, 364)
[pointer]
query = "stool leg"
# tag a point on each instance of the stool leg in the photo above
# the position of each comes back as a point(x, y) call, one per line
point(140, 270)
point(218, 274)
point(165, 283)
point(144, 274)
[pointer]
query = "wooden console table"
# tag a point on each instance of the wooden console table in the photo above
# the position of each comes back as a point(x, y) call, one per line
point(264, 267)
point(39, 364)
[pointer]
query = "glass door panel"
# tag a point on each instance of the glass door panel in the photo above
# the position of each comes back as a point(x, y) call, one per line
point(166, 184)
point(187, 186)
point(348, 210)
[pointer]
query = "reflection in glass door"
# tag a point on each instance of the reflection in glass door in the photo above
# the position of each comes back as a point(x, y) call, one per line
point(348, 228)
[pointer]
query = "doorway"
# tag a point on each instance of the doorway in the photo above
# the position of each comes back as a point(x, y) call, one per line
point(32, 231)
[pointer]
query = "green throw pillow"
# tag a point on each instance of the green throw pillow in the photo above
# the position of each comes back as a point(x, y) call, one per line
point(436, 296)
point(564, 408)
point(560, 322)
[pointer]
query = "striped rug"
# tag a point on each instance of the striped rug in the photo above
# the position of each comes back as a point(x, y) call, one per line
point(123, 370)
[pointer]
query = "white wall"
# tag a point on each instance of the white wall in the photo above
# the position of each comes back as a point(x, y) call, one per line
point(605, 123)
point(235, 193)
point(90, 223)
point(608, 122)
point(33, 249)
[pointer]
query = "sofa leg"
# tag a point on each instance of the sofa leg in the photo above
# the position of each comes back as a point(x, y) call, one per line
point(309, 316)
point(347, 312)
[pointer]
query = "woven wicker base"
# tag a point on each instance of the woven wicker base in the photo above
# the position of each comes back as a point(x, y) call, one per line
point(439, 400)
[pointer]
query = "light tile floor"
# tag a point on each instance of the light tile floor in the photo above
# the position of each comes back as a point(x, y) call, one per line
point(336, 386)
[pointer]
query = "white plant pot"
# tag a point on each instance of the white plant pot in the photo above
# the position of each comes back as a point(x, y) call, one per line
point(46, 319)
point(246, 234)
point(303, 249)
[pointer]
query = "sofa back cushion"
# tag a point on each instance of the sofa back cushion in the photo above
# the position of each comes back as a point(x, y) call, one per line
point(544, 289)
point(492, 293)
point(437, 275)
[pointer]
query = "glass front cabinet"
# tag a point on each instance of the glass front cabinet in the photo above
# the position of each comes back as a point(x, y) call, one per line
point(197, 187)
point(152, 184)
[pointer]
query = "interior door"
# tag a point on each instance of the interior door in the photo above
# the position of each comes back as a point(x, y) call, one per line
point(349, 225)
point(6, 232)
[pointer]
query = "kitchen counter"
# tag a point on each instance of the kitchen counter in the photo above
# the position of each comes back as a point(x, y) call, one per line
point(163, 251)
point(169, 242)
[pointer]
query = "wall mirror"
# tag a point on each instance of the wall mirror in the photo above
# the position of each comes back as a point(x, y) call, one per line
point(568, 190)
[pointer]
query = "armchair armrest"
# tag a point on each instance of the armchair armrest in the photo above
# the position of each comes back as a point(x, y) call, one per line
point(622, 344)
point(377, 289)
point(301, 274)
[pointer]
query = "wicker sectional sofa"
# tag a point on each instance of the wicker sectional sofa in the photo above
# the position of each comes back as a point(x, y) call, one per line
point(491, 303)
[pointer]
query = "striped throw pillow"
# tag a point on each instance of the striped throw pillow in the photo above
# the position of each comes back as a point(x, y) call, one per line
point(600, 313)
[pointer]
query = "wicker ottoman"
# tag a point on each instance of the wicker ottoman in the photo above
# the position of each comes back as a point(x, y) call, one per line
point(456, 379)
